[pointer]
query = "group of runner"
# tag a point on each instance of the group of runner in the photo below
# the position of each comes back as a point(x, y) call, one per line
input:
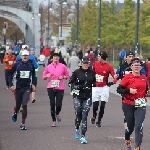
point(89, 85)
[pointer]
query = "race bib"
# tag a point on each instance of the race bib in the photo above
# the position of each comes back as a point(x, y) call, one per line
point(24, 74)
point(1, 51)
point(76, 91)
point(55, 83)
point(16, 52)
point(140, 102)
point(127, 72)
point(99, 78)
point(10, 62)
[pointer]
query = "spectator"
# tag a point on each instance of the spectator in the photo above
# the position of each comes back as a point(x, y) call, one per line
point(122, 55)
point(80, 54)
point(46, 52)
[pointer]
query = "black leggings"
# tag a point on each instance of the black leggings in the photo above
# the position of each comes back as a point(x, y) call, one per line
point(135, 118)
point(95, 109)
point(22, 97)
point(82, 108)
point(58, 94)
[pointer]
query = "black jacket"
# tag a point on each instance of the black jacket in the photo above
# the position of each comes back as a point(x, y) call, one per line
point(24, 73)
point(83, 80)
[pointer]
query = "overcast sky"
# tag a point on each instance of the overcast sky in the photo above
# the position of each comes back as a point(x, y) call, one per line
point(46, 1)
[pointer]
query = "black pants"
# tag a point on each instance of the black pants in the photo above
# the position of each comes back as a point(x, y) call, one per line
point(58, 95)
point(2, 57)
point(7, 77)
point(22, 97)
point(95, 109)
point(135, 118)
point(82, 108)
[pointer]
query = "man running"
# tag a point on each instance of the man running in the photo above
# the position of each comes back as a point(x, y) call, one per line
point(24, 70)
point(102, 70)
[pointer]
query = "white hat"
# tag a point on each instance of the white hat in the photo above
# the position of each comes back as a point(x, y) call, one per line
point(25, 52)
point(24, 46)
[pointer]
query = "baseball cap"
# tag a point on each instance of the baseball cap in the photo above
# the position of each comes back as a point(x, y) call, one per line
point(25, 52)
point(103, 55)
point(130, 53)
point(85, 59)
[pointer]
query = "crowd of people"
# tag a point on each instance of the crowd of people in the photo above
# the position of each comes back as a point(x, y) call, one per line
point(88, 77)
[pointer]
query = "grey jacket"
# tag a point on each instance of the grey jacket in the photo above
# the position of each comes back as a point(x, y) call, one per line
point(73, 63)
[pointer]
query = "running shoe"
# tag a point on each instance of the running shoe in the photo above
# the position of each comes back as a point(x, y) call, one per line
point(137, 148)
point(23, 127)
point(21, 109)
point(93, 120)
point(58, 118)
point(33, 101)
point(98, 124)
point(76, 133)
point(83, 140)
point(54, 124)
point(14, 117)
point(128, 145)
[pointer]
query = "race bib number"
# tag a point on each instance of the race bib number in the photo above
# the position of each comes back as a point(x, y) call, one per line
point(99, 78)
point(1, 51)
point(140, 102)
point(55, 83)
point(76, 91)
point(10, 62)
point(127, 72)
point(24, 74)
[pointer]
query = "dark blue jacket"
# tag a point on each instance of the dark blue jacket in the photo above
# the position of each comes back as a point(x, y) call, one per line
point(24, 73)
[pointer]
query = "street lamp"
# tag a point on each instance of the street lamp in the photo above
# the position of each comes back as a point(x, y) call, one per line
point(62, 3)
point(99, 25)
point(137, 27)
point(77, 24)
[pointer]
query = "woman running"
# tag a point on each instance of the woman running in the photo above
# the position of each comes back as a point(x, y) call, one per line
point(82, 81)
point(56, 72)
point(134, 88)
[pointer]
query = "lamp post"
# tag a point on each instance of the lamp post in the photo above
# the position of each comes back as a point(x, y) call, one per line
point(61, 7)
point(137, 27)
point(77, 24)
point(48, 30)
point(99, 25)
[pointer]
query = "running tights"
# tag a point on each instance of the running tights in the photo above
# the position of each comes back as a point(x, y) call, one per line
point(58, 95)
point(95, 109)
point(82, 108)
point(22, 97)
point(135, 118)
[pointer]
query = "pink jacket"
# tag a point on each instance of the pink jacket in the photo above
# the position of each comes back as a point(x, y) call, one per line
point(56, 71)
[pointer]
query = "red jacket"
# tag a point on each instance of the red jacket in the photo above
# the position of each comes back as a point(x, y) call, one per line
point(91, 57)
point(46, 52)
point(148, 69)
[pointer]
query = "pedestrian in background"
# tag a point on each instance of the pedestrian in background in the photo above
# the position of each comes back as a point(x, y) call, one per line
point(122, 55)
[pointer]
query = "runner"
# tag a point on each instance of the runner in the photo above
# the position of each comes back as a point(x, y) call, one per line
point(125, 69)
point(133, 87)
point(56, 72)
point(25, 70)
point(82, 81)
point(9, 60)
point(102, 70)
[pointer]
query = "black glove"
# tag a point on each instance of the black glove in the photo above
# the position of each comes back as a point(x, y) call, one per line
point(110, 84)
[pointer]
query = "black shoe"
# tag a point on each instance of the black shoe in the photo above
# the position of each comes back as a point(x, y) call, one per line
point(98, 124)
point(93, 120)
point(33, 101)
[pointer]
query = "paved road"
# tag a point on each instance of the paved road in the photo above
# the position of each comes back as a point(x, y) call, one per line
point(41, 136)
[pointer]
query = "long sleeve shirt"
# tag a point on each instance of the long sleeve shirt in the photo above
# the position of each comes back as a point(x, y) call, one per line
point(24, 73)
point(55, 72)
